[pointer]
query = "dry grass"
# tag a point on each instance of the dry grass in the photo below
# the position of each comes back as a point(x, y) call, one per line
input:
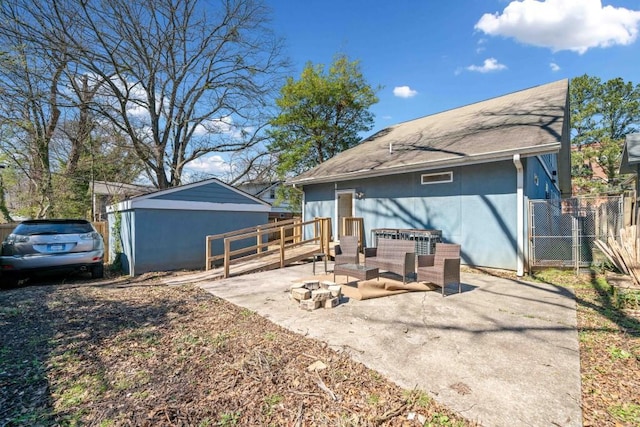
point(145, 354)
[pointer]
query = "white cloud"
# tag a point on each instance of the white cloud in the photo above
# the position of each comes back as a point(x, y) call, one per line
point(489, 65)
point(210, 164)
point(404, 92)
point(575, 25)
point(554, 67)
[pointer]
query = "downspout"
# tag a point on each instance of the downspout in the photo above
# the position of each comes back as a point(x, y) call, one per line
point(519, 214)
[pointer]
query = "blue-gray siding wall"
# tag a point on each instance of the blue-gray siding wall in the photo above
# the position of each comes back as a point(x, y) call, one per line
point(127, 239)
point(476, 210)
point(534, 168)
point(164, 239)
point(212, 192)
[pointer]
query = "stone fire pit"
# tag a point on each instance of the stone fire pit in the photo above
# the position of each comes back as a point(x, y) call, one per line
point(313, 294)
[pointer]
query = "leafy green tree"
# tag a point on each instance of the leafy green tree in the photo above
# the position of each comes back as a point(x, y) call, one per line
point(320, 114)
point(602, 115)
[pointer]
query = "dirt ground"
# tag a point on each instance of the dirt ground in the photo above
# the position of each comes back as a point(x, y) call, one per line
point(120, 352)
point(135, 352)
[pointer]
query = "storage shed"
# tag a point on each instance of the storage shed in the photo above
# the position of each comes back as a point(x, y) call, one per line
point(165, 230)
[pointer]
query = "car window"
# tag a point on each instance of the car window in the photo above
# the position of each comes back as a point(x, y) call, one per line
point(55, 227)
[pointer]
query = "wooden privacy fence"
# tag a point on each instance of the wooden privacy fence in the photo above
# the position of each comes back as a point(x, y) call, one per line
point(287, 248)
point(101, 227)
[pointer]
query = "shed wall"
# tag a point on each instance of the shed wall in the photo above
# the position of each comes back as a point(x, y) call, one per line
point(175, 239)
point(126, 238)
point(164, 240)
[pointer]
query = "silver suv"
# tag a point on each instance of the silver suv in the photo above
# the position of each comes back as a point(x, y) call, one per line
point(49, 244)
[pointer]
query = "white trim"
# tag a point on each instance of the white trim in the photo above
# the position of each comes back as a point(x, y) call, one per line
point(490, 157)
point(351, 191)
point(443, 181)
point(198, 184)
point(187, 206)
point(519, 214)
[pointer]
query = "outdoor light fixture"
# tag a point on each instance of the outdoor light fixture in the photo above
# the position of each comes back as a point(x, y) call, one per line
point(359, 195)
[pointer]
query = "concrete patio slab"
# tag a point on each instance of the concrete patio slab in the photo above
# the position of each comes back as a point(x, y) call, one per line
point(502, 353)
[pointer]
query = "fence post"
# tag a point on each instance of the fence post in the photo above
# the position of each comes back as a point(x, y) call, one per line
point(576, 242)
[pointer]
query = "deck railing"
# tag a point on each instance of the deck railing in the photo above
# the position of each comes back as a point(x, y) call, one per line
point(290, 237)
point(354, 226)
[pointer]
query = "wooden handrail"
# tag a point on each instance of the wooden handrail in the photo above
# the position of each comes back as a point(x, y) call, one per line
point(267, 228)
point(321, 236)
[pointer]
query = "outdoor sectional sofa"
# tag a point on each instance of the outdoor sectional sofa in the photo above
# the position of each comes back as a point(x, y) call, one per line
point(394, 255)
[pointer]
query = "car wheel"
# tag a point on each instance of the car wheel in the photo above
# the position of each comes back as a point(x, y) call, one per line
point(97, 271)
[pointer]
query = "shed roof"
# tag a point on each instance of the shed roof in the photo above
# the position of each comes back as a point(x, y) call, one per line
point(630, 154)
point(208, 195)
point(529, 122)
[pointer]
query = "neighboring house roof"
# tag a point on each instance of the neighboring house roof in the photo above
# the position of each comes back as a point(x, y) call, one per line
point(598, 171)
point(630, 154)
point(530, 122)
point(258, 188)
point(118, 188)
point(208, 195)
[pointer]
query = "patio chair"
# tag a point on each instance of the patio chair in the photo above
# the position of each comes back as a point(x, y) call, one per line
point(395, 255)
point(347, 251)
point(442, 268)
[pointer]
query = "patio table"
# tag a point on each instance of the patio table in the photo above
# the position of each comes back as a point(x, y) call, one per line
point(358, 271)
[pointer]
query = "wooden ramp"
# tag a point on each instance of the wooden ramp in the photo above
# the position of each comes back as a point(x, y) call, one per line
point(276, 246)
point(288, 246)
point(269, 260)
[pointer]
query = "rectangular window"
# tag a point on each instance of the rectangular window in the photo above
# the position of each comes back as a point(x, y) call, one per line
point(436, 178)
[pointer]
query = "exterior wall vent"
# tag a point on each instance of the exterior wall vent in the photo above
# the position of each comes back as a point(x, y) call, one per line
point(436, 178)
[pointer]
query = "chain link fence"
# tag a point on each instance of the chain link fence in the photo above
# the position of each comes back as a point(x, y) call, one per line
point(562, 232)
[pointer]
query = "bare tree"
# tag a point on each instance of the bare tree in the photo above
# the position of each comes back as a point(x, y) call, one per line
point(174, 80)
point(30, 79)
point(182, 78)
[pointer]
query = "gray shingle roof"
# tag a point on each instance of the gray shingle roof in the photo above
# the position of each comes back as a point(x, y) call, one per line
point(529, 122)
point(630, 154)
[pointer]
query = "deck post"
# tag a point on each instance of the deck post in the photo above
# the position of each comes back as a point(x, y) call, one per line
point(259, 239)
point(298, 228)
point(207, 255)
point(227, 257)
point(282, 233)
point(325, 234)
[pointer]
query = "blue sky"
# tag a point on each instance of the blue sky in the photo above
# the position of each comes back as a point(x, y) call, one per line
point(439, 55)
